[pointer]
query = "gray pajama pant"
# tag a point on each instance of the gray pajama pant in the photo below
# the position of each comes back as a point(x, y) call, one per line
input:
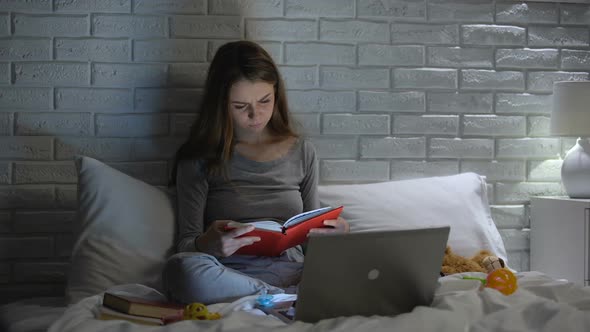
point(197, 277)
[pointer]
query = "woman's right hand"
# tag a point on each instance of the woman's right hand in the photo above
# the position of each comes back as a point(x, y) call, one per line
point(220, 241)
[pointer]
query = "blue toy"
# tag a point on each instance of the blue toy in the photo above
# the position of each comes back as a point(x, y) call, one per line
point(264, 300)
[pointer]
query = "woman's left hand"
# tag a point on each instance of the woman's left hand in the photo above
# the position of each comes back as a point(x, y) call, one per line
point(339, 225)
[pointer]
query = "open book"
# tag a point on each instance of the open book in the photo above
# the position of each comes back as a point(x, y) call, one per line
point(276, 238)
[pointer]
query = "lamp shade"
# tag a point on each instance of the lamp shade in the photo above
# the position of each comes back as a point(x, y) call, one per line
point(571, 109)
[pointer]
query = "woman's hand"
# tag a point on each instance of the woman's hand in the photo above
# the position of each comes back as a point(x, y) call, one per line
point(220, 241)
point(339, 225)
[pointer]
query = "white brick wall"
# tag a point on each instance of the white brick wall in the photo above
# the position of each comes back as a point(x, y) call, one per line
point(386, 90)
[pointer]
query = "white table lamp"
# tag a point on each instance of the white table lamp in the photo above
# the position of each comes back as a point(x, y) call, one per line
point(571, 117)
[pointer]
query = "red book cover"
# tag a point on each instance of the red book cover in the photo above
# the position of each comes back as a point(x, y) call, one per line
point(274, 238)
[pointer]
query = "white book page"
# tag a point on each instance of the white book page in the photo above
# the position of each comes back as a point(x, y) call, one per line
point(268, 225)
point(305, 215)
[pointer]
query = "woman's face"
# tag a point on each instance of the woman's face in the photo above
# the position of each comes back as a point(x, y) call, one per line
point(251, 105)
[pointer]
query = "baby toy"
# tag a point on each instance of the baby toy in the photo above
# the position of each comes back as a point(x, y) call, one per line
point(503, 280)
point(264, 300)
point(199, 311)
point(484, 261)
point(500, 279)
point(492, 263)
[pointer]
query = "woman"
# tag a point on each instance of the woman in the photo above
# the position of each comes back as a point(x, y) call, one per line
point(242, 161)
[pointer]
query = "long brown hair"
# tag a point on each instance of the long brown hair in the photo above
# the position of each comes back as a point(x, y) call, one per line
point(211, 137)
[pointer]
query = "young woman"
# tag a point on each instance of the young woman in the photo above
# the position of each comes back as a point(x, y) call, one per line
point(242, 161)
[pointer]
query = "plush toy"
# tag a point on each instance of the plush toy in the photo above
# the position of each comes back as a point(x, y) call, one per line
point(199, 311)
point(484, 261)
point(492, 263)
point(498, 277)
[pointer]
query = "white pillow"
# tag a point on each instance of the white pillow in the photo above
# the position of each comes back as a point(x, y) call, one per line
point(459, 201)
point(126, 231)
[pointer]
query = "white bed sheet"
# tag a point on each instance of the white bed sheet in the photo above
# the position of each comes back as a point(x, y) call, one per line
point(31, 315)
point(540, 304)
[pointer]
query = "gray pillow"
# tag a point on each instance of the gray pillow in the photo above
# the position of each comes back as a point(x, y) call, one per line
point(125, 231)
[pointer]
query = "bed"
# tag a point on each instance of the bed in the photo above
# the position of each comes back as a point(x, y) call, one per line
point(126, 231)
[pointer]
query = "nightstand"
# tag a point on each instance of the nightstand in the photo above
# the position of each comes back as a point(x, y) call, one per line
point(560, 231)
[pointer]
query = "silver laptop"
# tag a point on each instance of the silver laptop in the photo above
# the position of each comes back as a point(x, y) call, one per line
point(370, 273)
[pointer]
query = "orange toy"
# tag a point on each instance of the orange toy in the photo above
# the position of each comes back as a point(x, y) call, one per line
point(503, 280)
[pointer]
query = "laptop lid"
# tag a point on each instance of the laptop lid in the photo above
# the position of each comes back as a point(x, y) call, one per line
point(370, 273)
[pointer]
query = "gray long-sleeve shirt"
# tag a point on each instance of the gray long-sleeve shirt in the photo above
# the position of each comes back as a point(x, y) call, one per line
point(275, 189)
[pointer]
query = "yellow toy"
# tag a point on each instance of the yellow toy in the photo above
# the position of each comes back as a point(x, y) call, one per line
point(199, 311)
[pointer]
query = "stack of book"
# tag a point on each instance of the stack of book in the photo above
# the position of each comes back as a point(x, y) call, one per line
point(138, 310)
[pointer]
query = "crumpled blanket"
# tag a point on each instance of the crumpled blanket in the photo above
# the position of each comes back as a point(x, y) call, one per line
point(540, 304)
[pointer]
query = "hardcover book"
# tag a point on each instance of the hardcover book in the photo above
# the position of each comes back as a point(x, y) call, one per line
point(141, 307)
point(105, 313)
point(276, 237)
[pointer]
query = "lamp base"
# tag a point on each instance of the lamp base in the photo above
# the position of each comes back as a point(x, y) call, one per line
point(575, 170)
